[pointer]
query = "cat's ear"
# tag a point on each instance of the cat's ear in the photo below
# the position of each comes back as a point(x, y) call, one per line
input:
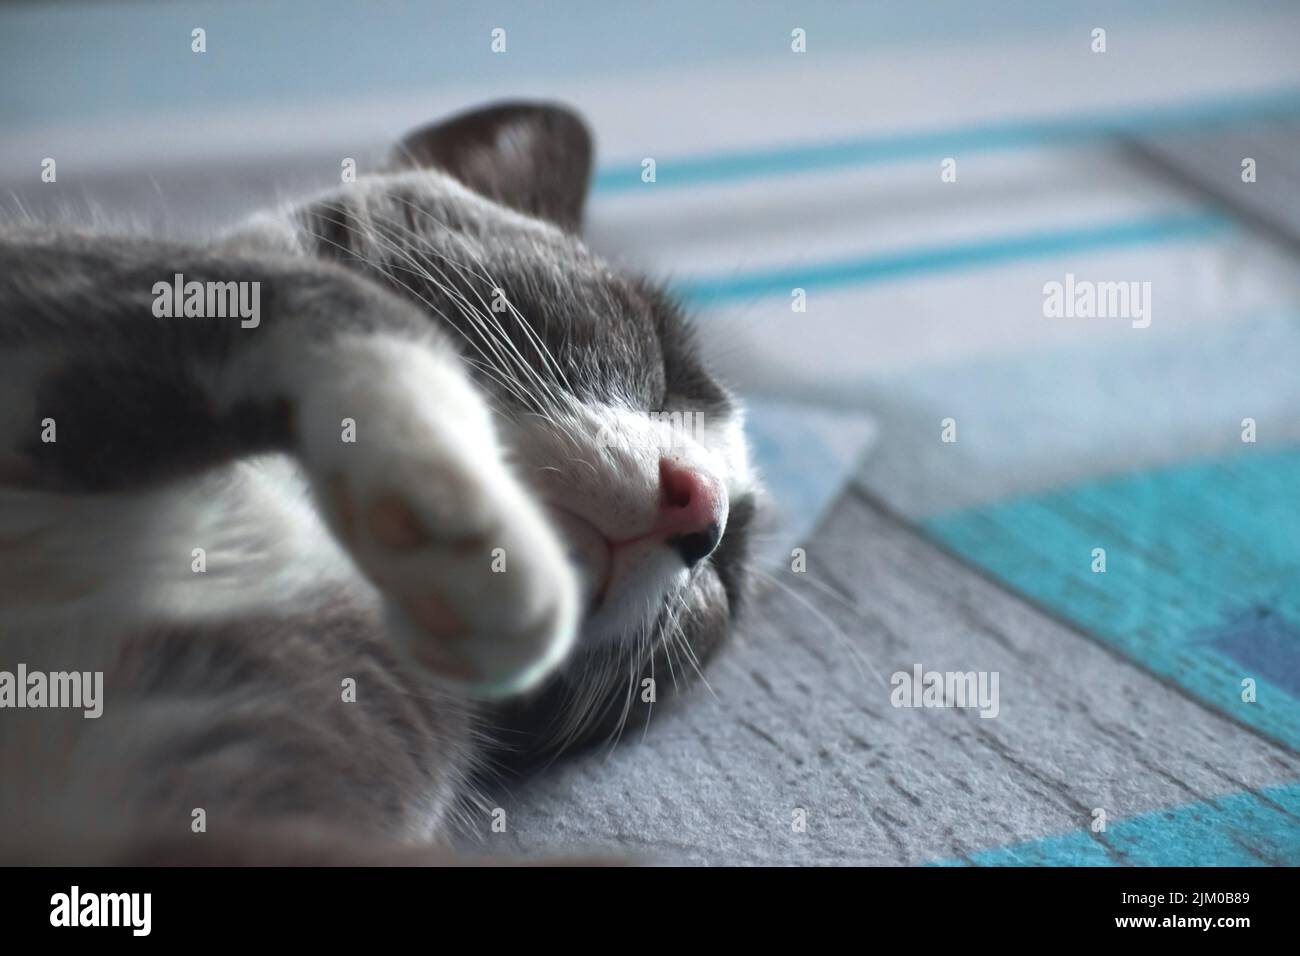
point(532, 157)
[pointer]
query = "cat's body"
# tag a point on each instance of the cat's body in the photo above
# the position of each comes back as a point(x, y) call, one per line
point(337, 565)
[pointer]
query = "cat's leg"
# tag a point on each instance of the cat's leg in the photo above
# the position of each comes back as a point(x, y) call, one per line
point(413, 481)
point(101, 392)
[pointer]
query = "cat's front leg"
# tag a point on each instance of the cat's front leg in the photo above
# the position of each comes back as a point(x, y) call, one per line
point(407, 468)
point(102, 392)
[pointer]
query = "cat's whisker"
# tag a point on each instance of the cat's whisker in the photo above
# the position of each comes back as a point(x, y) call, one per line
point(651, 655)
point(589, 465)
point(856, 654)
point(510, 360)
point(669, 654)
point(538, 344)
point(386, 269)
point(489, 325)
point(386, 273)
point(508, 363)
point(835, 595)
point(572, 722)
point(486, 313)
point(633, 671)
point(491, 330)
point(23, 211)
point(558, 403)
point(685, 645)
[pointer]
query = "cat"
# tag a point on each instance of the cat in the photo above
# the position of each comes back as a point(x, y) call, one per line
point(430, 520)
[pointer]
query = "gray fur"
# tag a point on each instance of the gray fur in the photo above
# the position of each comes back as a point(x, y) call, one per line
point(237, 709)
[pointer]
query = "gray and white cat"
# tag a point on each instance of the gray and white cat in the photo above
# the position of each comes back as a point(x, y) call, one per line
point(429, 518)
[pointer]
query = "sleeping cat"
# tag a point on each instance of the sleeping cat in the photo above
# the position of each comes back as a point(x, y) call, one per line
point(431, 517)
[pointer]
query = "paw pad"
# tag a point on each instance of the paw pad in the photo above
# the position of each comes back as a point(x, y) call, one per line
point(395, 525)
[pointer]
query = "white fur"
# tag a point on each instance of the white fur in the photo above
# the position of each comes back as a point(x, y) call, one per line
point(105, 564)
point(603, 464)
point(425, 436)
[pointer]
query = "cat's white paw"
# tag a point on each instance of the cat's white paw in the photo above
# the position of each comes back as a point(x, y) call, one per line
point(478, 586)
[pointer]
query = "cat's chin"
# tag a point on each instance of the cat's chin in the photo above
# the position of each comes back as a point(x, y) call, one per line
point(589, 551)
point(633, 600)
point(624, 585)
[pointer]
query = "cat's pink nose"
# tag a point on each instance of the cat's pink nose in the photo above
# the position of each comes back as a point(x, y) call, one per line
point(692, 510)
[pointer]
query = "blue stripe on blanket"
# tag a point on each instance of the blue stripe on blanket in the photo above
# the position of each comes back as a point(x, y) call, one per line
point(1202, 573)
point(707, 291)
point(1070, 130)
point(1239, 829)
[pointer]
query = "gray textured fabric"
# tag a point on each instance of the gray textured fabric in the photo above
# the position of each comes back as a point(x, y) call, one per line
point(794, 722)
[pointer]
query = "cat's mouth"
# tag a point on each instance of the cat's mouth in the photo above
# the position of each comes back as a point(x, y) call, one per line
point(591, 552)
point(620, 578)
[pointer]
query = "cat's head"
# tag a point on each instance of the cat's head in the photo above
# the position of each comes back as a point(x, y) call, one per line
point(608, 412)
